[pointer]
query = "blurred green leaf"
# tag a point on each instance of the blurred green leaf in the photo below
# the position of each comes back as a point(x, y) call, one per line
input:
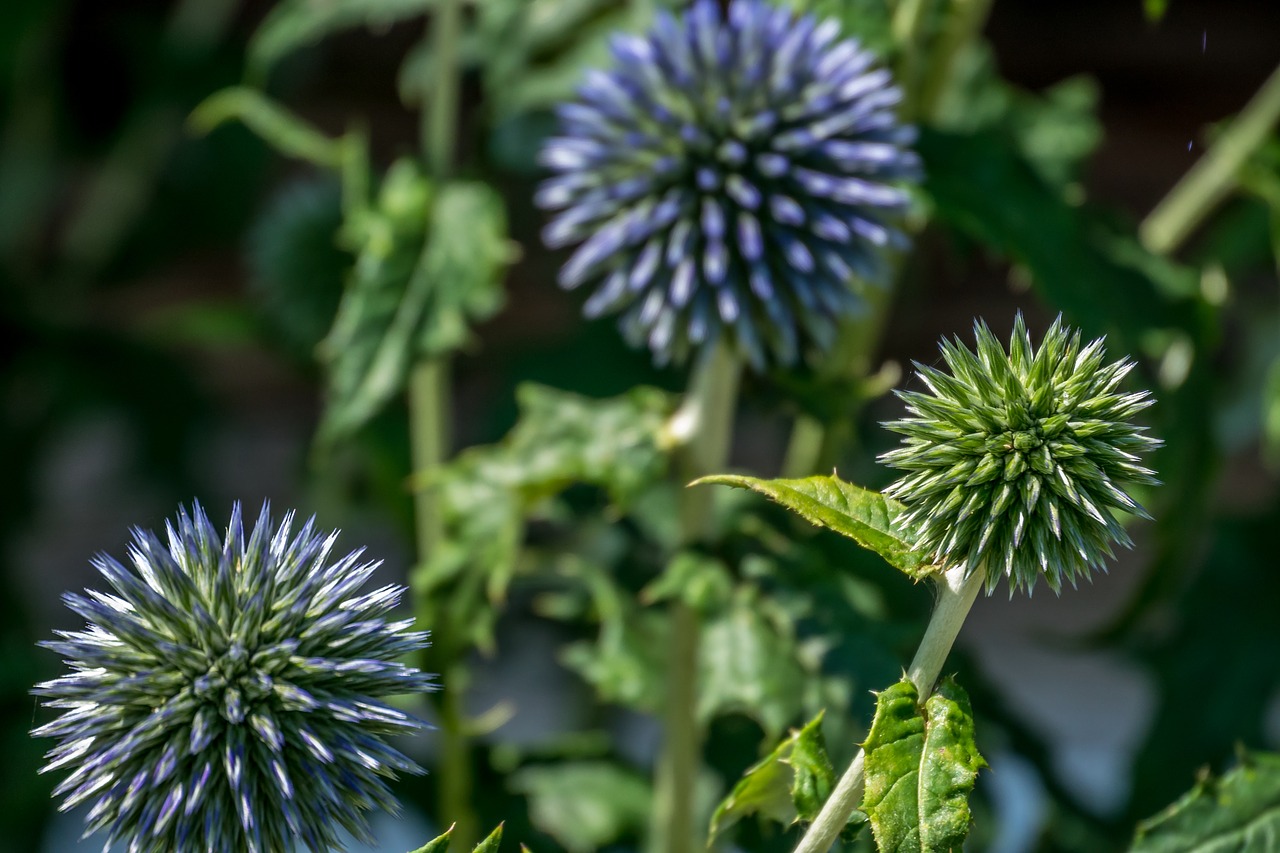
point(983, 186)
point(790, 784)
point(486, 493)
point(702, 582)
point(1239, 811)
point(867, 517)
point(585, 805)
point(921, 764)
point(296, 267)
point(748, 664)
point(1271, 414)
point(467, 255)
point(292, 24)
point(431, 263)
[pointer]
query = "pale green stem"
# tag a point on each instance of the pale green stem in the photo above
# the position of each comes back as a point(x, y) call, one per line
point(704, 423)
point(429, 400)
point(956, 594)
point(907, 26)
point(1214, 175)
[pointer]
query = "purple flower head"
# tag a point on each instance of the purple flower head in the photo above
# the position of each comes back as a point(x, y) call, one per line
point(730, 176)
point(226, 694)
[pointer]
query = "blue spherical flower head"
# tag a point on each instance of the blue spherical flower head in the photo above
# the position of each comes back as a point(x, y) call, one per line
point(1018, 460)
point(729, 177)
point(227, 695)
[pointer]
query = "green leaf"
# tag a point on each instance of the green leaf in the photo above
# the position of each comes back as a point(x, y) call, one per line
point(292, 24)
point(867, 517)
point(920, 768)
point(1238, 812)
point(486, 493)
point(467, 255)
point(280, 128)
point(430, 264)
point(585, 805)
point(440, 844)
point(790, 784)
point(748, 664)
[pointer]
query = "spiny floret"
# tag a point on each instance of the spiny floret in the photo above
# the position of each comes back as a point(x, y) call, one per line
point(1018, 460)
point(226, 694)
point(729, 177)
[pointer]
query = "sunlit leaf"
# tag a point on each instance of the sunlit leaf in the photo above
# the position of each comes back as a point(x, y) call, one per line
point(864, 516)
point(921, 764)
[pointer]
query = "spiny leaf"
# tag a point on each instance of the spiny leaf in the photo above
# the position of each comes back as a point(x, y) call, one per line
point(789, 784)
point(440, 844)
point(920, 768)
point(1239, 811)
point(585, 805)
point(867, 517)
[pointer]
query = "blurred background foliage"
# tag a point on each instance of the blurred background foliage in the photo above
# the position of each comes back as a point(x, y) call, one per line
point(168, 295)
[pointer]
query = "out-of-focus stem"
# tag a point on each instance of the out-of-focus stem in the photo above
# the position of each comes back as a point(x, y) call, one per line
point(705, 422)
point(1214, 175)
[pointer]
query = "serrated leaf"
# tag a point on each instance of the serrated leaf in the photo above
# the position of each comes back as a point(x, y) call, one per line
point(789, 784)
point(920, 769)
point(1238, 812)
point(585, 805)
point(868, 518)
point(292, 24)
point(492, 843)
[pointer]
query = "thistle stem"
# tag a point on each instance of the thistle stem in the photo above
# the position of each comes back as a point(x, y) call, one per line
point(1214, 175)
point(429, 435)
point(956, 595)
point(706, 421)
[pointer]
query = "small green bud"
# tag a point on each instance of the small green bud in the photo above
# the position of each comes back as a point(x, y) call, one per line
point(1018, 460)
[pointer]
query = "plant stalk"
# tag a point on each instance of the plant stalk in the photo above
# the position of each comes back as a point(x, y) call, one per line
point(705, 421)
point(956, 595)
point(429, 400)
point(1214, 175)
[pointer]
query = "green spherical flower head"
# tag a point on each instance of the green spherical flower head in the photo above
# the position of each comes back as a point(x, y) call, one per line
point(1018, 460)
point(226, 695)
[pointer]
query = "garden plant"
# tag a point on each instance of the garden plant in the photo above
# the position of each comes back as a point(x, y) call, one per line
point(756, 650)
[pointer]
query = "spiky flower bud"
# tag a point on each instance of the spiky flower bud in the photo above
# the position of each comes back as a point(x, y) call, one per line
point(226, 694)
point(1017, 460)
point(730, 177)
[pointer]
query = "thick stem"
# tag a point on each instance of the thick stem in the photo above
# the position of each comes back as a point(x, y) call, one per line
point(956, 595)
point(1214, 175)
point(705, 423)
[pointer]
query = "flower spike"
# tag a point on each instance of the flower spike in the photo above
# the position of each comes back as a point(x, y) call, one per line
point(733, 175)
point(1018, 460)
point(226, 694)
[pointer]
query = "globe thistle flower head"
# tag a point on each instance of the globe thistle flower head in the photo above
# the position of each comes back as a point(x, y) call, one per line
point(227, 694)
point(731, 175)
point(1018, 460)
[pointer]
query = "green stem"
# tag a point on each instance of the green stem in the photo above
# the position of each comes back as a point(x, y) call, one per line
point(956, 595)
point(1214, 175)
point(705, 423)
point(428, 421)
